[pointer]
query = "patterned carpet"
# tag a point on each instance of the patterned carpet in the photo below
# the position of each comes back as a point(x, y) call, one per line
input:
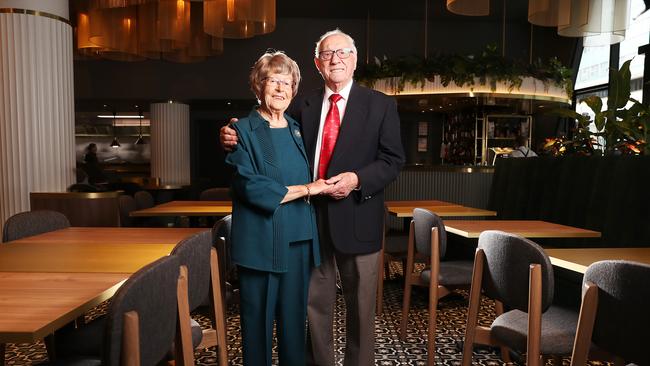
point(389, 349)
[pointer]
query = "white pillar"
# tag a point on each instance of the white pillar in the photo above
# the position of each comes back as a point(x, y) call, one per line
point(170, 143)
point(36, 101)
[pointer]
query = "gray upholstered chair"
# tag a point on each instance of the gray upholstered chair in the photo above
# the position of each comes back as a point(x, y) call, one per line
point(517, 274)
point(32, 223)
point(428, 242)
point(614, 315)
point(141, 323)
point(215, 194)
point(202, 262)
point(127, 205)
point(221, 242)
point(143, 199)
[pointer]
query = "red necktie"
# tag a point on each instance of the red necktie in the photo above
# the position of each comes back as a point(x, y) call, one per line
point(330, 134)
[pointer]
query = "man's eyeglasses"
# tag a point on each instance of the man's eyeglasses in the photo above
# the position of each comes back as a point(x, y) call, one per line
point(273, 82)
point(341, 53)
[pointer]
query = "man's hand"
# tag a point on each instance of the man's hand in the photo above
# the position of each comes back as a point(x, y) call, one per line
point(341, 185)
point(228, 136)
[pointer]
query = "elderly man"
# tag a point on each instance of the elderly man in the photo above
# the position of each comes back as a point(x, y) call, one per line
point(352, 137)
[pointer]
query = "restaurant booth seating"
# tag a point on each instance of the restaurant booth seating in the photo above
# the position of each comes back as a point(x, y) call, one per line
point(81, 208)
point(32, 223)
point(607, 194)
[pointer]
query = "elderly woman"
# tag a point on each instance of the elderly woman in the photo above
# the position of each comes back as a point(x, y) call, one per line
point(274, 234)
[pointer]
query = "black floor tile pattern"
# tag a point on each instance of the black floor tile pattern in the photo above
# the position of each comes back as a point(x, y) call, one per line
point(390, 350)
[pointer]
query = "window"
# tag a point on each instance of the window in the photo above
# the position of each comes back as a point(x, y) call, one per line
point(637, 35)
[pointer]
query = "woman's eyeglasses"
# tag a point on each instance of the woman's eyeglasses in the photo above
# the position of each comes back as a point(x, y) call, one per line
point(277, 82)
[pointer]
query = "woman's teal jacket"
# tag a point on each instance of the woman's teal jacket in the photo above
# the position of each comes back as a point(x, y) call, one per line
point(258, 223)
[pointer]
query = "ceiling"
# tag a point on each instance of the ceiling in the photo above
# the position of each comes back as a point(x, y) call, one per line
point(390, 9)
point(377, 9)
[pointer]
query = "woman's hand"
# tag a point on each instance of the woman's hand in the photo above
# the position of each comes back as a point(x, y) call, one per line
point(317, 187)
point(228, 136)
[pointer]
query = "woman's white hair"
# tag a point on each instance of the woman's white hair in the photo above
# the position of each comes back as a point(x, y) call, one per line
point(332, 33)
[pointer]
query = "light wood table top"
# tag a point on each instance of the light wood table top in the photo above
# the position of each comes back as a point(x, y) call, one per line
point(33, 305)
point(111, 235)
point(107, 250)
point(187, 208)
point(578, 259)
point(525, 228)
point(418, 203)
point(442, 211)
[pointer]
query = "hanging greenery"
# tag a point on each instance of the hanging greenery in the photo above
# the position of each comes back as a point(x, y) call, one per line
point(488, 67)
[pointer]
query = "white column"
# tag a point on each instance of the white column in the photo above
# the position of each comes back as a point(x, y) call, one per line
point(170, 143)
point(36, 101)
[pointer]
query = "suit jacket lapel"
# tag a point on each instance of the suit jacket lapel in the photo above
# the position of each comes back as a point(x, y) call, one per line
point(352, 124)
point(310, 120)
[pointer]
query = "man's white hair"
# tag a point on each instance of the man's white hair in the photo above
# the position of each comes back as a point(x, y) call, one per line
point(332, 33)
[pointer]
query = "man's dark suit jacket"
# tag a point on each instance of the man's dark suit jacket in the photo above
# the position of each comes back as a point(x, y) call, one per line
point(368, 144)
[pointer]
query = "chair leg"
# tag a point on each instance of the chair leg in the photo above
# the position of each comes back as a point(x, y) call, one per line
point(474, 305)
point(585, 329)
point(534, 316)
point(406, 305)
point(431, 334)
point(408, 278)
point(219, 321)
point(505, 351)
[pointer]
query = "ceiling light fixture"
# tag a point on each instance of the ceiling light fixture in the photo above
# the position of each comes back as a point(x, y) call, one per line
point(115, 143)
point(140, 140)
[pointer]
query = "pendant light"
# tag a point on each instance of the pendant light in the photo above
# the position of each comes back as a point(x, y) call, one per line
point(140, 140)
point(114, 144)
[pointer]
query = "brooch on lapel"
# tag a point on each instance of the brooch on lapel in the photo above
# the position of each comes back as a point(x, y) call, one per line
point(296, 133)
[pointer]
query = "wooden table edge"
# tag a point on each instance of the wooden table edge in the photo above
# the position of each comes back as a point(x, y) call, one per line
point(572, 266)
point(39, 334)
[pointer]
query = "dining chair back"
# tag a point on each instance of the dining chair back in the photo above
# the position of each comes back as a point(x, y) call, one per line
point(215, 194)
point(428, 243)
point(424, 220)
point(221, 241)
point(146, 316)
point(614, 313)
point(149, 296)
point(32, 223)
point(143, 199)
point(517, 274)
point(506, 273)
point(201, 260)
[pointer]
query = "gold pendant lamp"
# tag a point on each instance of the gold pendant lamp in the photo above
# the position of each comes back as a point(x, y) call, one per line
point(543, 12)
point(469, 7)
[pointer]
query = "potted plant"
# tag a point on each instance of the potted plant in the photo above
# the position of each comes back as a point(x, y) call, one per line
point(616, 130)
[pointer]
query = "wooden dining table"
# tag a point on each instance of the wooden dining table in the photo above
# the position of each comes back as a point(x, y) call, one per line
point(187, 208)
point(35, 304)
point(91, 249)
point(525, 228)
point(578, 259)
point(48, 280)
point(404, 209)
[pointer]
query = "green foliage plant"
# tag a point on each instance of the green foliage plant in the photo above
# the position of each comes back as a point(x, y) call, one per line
point(623, 130)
